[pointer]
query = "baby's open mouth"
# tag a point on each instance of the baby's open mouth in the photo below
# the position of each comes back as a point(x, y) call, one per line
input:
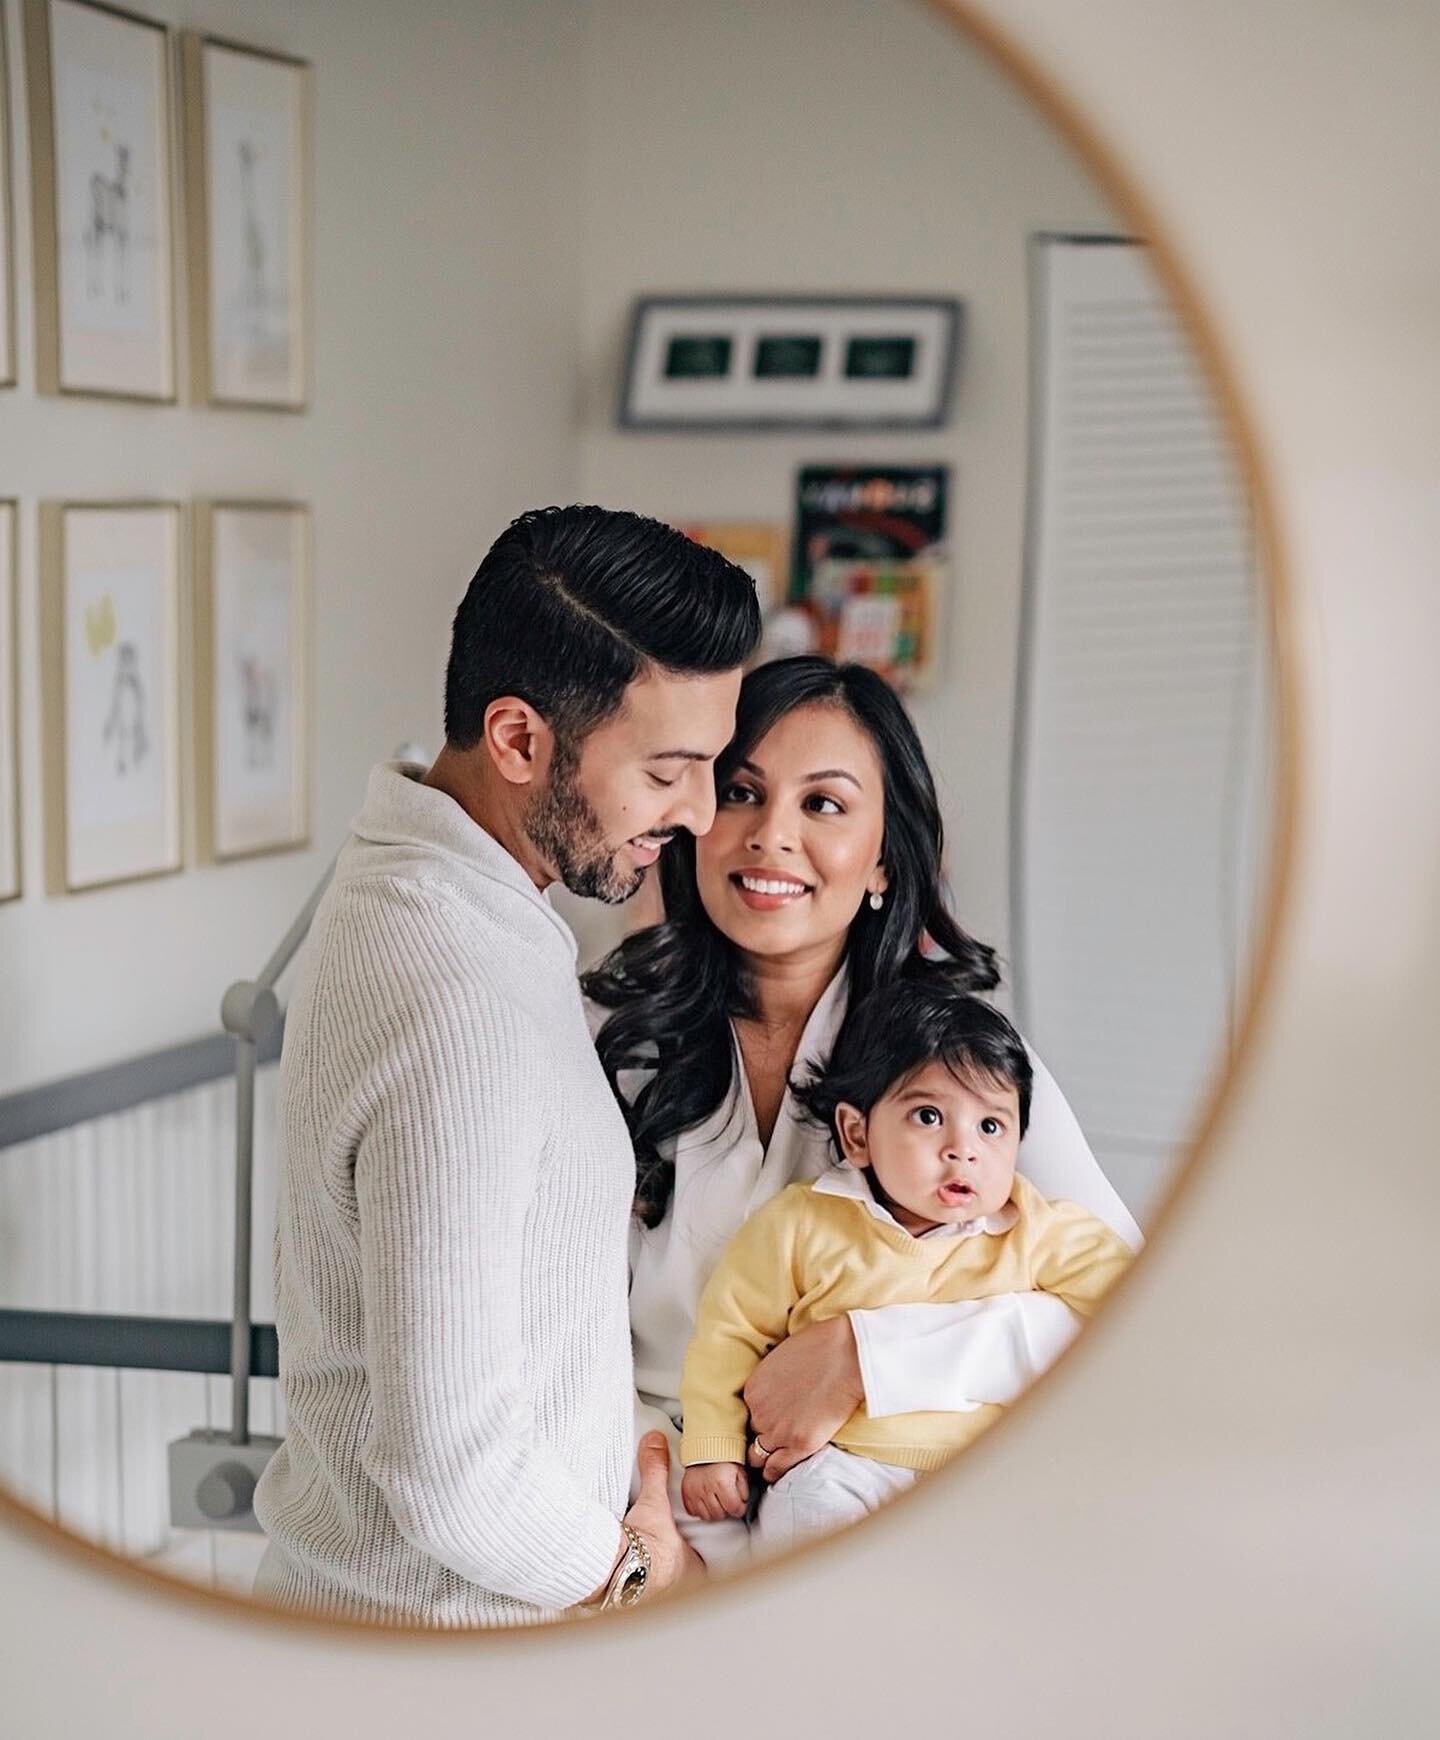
point(957, 1190)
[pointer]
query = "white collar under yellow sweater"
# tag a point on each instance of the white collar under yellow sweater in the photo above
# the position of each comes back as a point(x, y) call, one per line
point(823, 1248)
point(844, 1180)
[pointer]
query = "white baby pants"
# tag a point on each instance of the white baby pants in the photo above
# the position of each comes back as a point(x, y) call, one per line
point(824, 1492)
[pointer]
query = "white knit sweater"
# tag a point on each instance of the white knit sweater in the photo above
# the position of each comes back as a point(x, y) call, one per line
point(450, 1246)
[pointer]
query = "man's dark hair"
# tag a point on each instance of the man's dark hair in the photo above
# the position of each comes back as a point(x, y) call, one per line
point(899, 1029)
point(571, 604)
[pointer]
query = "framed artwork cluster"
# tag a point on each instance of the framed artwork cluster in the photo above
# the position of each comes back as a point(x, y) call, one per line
point(120, 645)
point(100, 88)
point(174, 640)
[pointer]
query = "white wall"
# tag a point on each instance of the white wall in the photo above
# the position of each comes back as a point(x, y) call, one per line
point(446, 263)
point(835, 145)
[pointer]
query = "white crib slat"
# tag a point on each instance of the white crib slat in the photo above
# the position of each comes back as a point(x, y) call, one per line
point(25, 1435)
point(85, 1426)
point(120, 1538)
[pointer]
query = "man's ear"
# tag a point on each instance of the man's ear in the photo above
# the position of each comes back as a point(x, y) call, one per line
point(850, 1127)
point(518, 740)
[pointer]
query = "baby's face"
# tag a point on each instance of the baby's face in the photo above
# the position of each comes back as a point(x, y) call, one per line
point(942, 1149)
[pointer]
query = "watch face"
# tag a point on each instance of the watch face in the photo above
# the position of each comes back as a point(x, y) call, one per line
point(632, 1588)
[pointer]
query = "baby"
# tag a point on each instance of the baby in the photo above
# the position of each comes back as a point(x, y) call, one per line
point(926, 1097)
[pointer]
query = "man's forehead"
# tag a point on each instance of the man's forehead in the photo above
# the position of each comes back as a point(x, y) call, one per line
point(667, 717)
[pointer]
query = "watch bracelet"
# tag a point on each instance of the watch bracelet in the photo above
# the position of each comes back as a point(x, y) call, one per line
point(640, 1546)
point(636, 1543)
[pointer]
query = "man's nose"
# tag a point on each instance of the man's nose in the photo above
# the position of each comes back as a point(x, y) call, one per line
point(697, 810)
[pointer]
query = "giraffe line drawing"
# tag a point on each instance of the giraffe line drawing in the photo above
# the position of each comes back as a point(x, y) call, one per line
point(125, 722)
point(107, 232)
point(253, 296)
point(259, 707)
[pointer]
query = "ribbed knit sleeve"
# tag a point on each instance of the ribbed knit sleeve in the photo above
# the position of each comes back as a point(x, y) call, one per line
point(445, 1174)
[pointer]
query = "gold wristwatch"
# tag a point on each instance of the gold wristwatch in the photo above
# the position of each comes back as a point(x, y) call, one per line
point(630, 1576)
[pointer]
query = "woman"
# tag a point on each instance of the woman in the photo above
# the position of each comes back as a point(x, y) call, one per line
point(820, 879)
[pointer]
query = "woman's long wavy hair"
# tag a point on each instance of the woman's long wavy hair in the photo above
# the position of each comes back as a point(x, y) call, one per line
point(673, 989)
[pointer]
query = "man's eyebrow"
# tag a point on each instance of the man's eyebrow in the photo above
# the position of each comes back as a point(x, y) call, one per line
point(679, 755)
point(810, 778)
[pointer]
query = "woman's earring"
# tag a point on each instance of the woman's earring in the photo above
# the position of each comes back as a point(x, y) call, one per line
point(877, 900)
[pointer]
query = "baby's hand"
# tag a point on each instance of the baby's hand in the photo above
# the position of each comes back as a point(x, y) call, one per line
point(714, 1490)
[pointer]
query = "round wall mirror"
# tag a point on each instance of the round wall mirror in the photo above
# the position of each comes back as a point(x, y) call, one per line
point(835, 290)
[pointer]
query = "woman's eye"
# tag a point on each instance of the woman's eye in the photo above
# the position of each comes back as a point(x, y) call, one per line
point(819, 798)
point(735, 793)
point(929, 1116)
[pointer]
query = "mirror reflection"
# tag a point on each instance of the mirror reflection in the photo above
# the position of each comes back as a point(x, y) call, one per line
point(789, 913)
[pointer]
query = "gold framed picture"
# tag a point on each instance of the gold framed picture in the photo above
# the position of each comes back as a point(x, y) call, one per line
point(99, 94)
point(247, 157)
point(7, 228)
point(110, 604)
point(252, 688)
point(10, 874)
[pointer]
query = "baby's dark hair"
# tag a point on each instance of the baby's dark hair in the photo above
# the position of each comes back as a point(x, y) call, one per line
point(899, 1029)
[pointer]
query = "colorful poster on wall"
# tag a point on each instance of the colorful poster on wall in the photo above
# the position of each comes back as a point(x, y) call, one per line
point(870, 560)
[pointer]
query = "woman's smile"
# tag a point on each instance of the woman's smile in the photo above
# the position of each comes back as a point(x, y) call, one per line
point(767, 890)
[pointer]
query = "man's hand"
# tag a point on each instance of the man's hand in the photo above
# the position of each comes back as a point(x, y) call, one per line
point(671, 1557)
point(714, 1490)
point(801, 1394)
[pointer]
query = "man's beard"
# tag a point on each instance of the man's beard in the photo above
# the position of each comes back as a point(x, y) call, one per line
point(563, 827)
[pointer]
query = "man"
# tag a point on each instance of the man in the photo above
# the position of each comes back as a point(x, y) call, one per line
point(457, 1178)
